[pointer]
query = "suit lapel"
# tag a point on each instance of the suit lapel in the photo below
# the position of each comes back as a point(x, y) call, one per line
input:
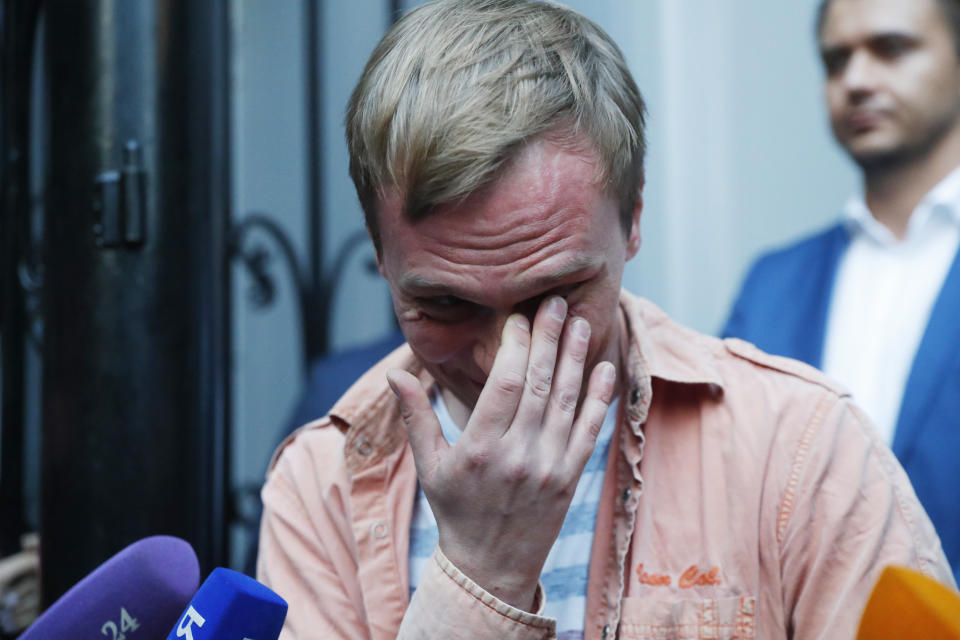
point(812, 327)
point(937, 352)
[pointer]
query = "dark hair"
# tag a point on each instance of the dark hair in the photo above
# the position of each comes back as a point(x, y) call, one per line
point(949, 8)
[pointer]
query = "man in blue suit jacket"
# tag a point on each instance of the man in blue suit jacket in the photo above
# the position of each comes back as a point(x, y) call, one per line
point(875, 299)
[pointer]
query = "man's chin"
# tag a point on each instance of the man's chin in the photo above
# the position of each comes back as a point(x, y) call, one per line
point(465, 390)
point(885, 150)
point(873, 157)
point(460, 402)
point(469, 396)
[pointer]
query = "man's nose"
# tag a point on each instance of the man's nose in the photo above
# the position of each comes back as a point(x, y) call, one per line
point(859, 75)
point(488, 343)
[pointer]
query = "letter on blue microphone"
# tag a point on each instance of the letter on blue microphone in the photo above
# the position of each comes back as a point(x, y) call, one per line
point(231, 605)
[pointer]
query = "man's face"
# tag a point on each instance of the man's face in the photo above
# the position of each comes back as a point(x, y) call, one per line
point(545, 227)
point(892, 77)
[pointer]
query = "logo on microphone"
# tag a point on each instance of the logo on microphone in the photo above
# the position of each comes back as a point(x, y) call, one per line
point(185, 628)
point(127, 623)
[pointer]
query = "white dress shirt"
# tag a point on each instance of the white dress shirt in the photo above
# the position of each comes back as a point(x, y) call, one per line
point(883, 294)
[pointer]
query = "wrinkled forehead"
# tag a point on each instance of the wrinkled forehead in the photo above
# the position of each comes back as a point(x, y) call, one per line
point(558, 161)
point(547, 188)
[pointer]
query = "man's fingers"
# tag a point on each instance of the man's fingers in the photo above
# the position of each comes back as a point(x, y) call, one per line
point(501, 394)
point(539, 383)
point(569, 377)
point(423, 428)
point(593, 410)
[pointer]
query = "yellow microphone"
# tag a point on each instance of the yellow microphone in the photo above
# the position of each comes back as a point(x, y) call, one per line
point(907, 604)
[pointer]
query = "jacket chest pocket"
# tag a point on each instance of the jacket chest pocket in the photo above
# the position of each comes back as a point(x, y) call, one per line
point(720, 619)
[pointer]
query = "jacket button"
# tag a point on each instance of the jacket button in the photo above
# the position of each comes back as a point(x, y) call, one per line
point(635, 396)
point(626, 495)
point(605, 632)
point(378, 530)
point(363, 447)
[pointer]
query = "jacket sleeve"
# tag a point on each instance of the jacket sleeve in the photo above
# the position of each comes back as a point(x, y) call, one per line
point(448, 604)
point(848, 512)
point(306, 571)
point(308, 554)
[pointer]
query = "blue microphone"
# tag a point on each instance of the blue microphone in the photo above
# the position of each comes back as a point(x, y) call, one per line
point(231, 606)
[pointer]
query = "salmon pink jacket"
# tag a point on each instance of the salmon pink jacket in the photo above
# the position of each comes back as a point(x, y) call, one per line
point(745, 496)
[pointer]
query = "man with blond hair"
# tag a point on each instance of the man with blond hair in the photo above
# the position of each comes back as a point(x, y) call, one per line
point(549, 456)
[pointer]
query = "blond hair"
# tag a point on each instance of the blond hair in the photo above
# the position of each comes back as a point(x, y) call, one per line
point(456, 87)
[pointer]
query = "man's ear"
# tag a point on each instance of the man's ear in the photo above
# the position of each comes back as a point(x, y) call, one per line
point(379, 254)
point(380, 266)
point(377, 249)
point(633, 239)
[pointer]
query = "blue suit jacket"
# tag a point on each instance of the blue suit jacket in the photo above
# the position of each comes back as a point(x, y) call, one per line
point(783, 307)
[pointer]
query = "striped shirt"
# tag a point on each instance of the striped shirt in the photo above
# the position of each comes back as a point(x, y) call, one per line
point(565, 572)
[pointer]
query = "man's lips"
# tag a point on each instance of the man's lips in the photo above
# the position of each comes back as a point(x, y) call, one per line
point(862, 121)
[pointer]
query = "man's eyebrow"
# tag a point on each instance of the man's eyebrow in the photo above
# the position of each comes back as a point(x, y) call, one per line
point(416, 283)
point(579, 265)
point(832, 49)
point(893, 35)
point(423, 287)
point(871, 38)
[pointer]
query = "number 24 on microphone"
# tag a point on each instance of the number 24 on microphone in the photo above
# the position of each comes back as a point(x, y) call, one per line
point(127, 623)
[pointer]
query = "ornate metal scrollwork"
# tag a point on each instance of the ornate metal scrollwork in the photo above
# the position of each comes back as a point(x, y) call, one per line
point(315, 294)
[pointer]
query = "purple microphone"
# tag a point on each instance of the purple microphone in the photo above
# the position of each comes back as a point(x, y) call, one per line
point(137, 594)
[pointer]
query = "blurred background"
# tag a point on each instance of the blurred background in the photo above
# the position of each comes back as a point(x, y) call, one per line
point(180, 239)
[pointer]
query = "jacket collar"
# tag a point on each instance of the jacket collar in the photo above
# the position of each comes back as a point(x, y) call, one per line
point(667, 350)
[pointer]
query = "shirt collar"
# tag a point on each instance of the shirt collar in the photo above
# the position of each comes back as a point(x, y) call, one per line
point(945, 197)
point(658, 348)
point(943, 200)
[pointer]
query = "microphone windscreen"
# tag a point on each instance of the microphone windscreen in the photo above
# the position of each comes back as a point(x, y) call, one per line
point(907, 604)
point(137, 594)
point(231, 606)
